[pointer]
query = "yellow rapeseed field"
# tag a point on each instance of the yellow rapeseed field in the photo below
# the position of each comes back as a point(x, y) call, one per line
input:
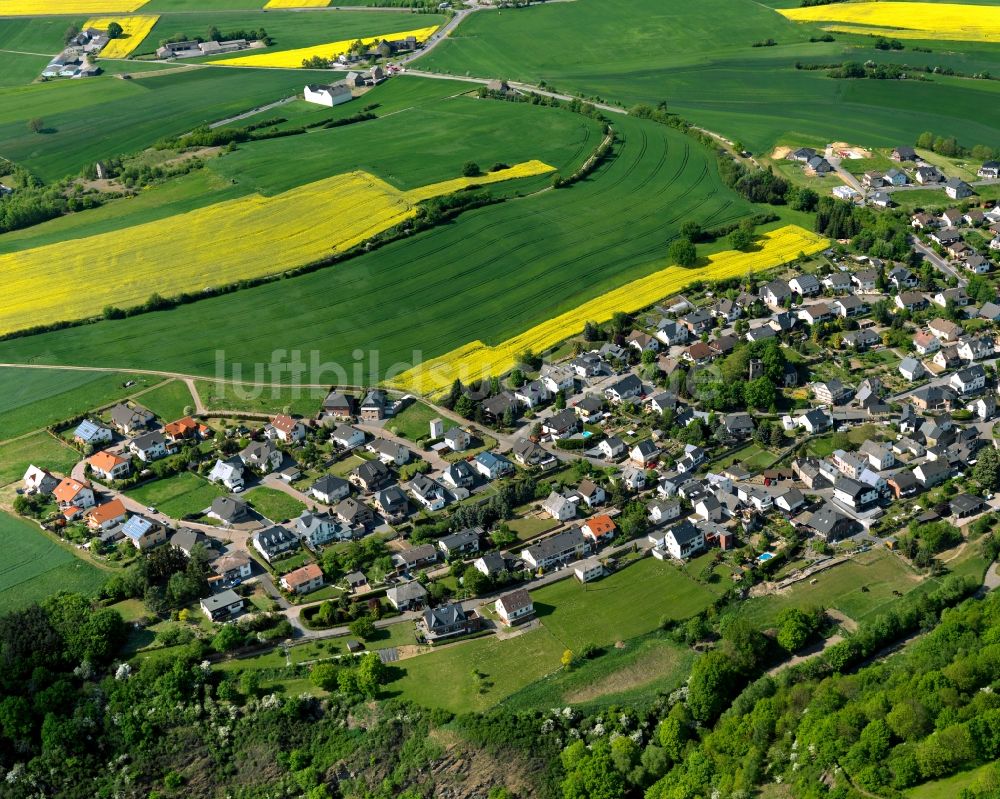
point(212, 246)
point(34, 8)
point(296, 3)
point(134, 30)
point(476, 360)
point(526, 169)
point(293, 59)
point(905, 20)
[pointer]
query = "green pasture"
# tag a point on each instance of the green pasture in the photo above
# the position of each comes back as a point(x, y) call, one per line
point(35, 398)
point(34, 566)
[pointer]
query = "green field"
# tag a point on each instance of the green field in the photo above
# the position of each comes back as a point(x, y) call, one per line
point(35, 398)
point(622, 605)
point(251, 399)
point(41, 449)
point(274, 504)
point(860, 588)
point(35, 566)
point(102, 117)
point(543, 255)
point(182, 495)
point(169, 400)
point(641, 51)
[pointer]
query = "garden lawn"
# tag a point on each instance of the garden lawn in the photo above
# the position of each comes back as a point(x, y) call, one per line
point(34, 566)
point(41, 449)
point(169, 400)
point(623, 605)
point(274, 504)
point(184, 494)
point(36, 398)
point(239, 397)
point(413, 422)
point(528, 526)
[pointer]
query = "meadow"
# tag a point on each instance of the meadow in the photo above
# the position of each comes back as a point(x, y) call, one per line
point(182, 495)
point(247, 398)
point(36, 398)
point(168, 400)
point(633, 51)
point(34, 566)
point(297, 227)
point(99, 118)
point(42, 449)
point(435, 291)
point(274, 504)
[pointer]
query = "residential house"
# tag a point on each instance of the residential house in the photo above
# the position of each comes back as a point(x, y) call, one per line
point(854, 493)
point(629, 387)
point(144, 533)
point(93, 433)
point(558, 378)
point(927, 175)
point(775, 293)
point(389, 452)
point(879, 455)
point(532, 394)
point(957, 189)
point(591, 493)
point(222, 606)
point(415, 558)
point(392, 503)
point(110, 466)
point(697, 321)
point(448, 621)
point(895, 177)
point(952, 217)
point(427, 492)
point(464, 542)
point(370, 476)
point(273, 542)
point(354, 514)
point(957, 296)
point(805, 285)
point(590, 408)
point(104, 517)
point(560, 507)
point(39, 481)
point(130, 420)
point(588, 570)
point(672, 333)
point(185, 540)
point(849, 306)
point(977, 264)
point(931, 473)
point(828, 523)
point(926, 343)
point(338, 405)
point(330, 489)
point(374, 405)
point(491, 465)
point(347, 437)
point(902, 484)
point(186, 429)
point(286, 429)
point(644, 453)
point(947, 357)
point(561, 425)
point(900, 154)
point(554, 550)
point(815, 421)
point(837, 282)
point(611, 448)
point(632, 478)
point(303, 580)
point(662, 511)
point(946, 236)
point(975, 348)
point(407, 596)
point(944, 329)
point(262, 456)
point(866, 281)
point(150, 446)
point(911, 301)
point(75, 495)
point(599, 529)
point(969, 380)
point(229, 510)
point(232, 568)
point(902, 278)
point(643, 342)
point(317, 528)
point(984, 407)
point(514, 607)
point(228, 472)
point(461, 475)
point(681, 541)
point(831, 392)
point(990, 170)
point(790, 500)
point(662, 402)
point(815, 313)
point(861, 339)
point(490, 564)
point(727, 310)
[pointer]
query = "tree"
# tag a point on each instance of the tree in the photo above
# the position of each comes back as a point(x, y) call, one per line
point(741, 239)
point(363, 627)
point(464, 406)
point(516, 378)
point(567, 659)
point(228, 638)
point(691, 230)
point(683, 252)
point(470, 169)
point(594, 775)
point(371, 673)
point(759, 393)
point(325, 676)
point(986, 472)
point(794, 629)
point(115, 30)
point(36, 125)
point(70, 34)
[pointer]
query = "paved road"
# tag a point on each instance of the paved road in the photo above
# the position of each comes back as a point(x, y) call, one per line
point(938, 262)
point(834, 161)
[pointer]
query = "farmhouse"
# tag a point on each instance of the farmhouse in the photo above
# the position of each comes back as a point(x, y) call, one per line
point(328, 95)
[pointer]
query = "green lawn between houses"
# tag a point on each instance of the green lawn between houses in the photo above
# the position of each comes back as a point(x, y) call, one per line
point(35, 566)
point(274, 504)
point(413, 422)
point(184, 494)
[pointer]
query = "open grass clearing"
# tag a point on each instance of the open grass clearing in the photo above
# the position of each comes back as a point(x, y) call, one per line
point(184, 494)
point(257, 399)
point(949, 787)
point(169, 400)
point(274, 504)
point(413, 422)
point(36, 566)
point(36, 398)
point(41, 449)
